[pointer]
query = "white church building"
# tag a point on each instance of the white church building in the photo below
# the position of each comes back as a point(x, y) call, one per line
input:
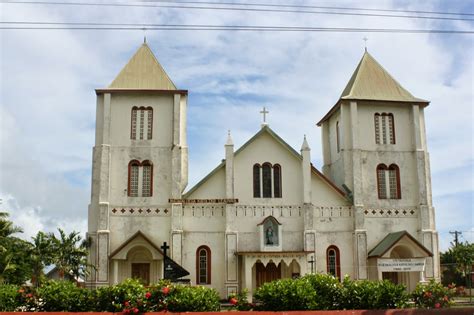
point(265, 212)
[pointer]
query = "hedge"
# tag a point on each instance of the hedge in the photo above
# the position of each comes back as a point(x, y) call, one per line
point(129, 297)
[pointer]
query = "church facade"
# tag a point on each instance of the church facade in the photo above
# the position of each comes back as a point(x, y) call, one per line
point(265, 212)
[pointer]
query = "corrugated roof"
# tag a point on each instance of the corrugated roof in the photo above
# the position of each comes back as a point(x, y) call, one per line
point(390, 240)
point(371, 81)
point(143, 71)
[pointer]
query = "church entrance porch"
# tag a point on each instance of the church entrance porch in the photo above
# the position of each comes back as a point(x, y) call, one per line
point(267, 273)
point(257, 268)
point(399, 258)
point(138, 257)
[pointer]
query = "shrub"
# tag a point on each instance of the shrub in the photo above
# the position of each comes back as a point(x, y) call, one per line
point(325, 292)
point(192, 299)
point(9, 297)
point(328, 291)
point(63, 296)
point(368, 294)
point(433, 295)
point(285, 295)
point(128, 296)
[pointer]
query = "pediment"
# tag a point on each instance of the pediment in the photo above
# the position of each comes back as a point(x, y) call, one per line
point(398, 244)
point(137, 240)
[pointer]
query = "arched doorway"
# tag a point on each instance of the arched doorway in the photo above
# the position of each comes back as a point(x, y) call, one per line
point(267, 273)
point(408, 279)
point(140, 259)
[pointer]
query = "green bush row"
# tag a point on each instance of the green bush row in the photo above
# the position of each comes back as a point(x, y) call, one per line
point(130, 297)
point(325, 292)
point(311, 292)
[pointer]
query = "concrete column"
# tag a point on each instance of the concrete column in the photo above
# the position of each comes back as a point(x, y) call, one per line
point(104, 173)
point(116, 269)
point(343, 119)
point(106, 119)
point(103, 256)
point(354, 125)
point(183, 142)
point(306, 171)
point(361, 254)
point(229, 167)
point(415, 115)
point(177, 119)
point(247, 276)
point(176, 232)
point(326, 146)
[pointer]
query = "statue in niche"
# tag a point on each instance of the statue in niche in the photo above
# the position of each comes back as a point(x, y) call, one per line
point(269, 235)
point(270, 229)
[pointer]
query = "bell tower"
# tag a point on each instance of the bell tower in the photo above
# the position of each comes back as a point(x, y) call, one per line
point(140, 160)
point(374, 148)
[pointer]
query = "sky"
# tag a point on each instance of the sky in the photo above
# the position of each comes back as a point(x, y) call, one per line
point(48, 77)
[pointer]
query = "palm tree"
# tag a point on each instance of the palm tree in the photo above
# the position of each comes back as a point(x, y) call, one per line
point(6, 230)
point(70, 254)
point(41, 255)
point(6, 226)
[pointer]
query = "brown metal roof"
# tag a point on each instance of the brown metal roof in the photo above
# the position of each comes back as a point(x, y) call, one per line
point(143, 71)
point(371, 82)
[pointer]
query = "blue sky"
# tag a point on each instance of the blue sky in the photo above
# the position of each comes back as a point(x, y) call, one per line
point(47, 112)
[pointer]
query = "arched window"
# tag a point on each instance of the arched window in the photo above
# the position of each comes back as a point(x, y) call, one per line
point(141, 119)
point(384, 125)
point(203, 265)
point(267, 180)
point(338, 138)
point(256, 181)
point(150, 123)
point(333, 261)
point(133, 174)
point(133, 126)
point(377, 127)
point(277, 181)
point(140, 178)
point(394, 181)
point(147, 179)
point(388, 182)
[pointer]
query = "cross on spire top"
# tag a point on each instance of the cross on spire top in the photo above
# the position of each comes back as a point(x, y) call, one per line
point(365, 39)
point(264, 112)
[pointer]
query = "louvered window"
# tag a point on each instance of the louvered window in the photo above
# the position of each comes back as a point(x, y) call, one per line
point(388, 181)
point(384, 126)
point(141, 125)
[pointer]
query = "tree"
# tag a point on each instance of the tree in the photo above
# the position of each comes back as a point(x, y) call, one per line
point(14, 259)
point(70, 254)
point(459, 260)
point(41, 254)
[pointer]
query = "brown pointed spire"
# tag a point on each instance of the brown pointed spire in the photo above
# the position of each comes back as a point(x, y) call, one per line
point(143, 71)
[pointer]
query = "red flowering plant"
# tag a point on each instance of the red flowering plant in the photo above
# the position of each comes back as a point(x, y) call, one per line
point(157, 296)
point(28, 300)
point(128, 297)
point(433, 295)
point(240, 302)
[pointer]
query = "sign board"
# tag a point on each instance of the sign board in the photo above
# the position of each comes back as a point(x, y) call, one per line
point(172, 270)
point(401, 264)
